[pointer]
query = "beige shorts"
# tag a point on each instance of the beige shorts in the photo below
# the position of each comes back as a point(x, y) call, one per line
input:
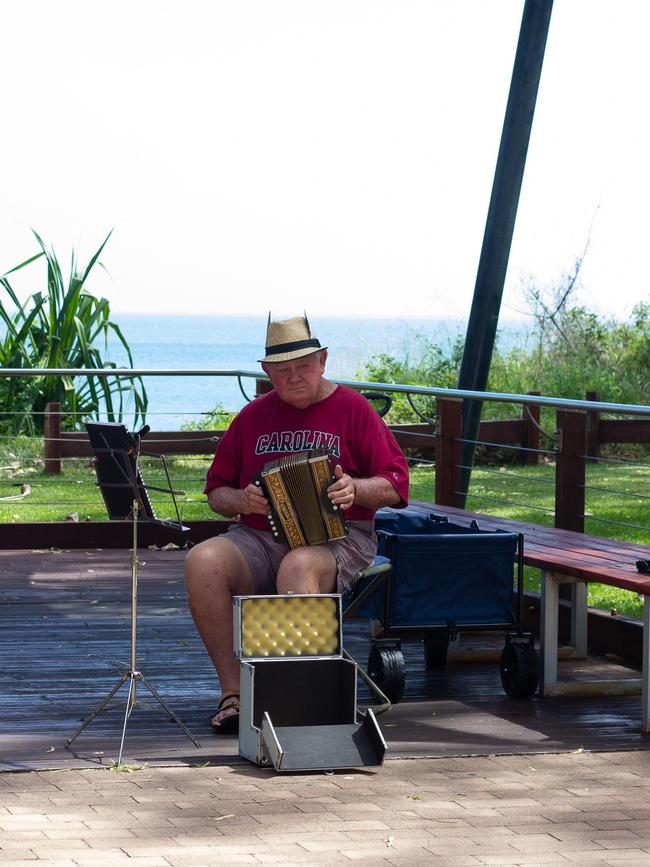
point(264, 555)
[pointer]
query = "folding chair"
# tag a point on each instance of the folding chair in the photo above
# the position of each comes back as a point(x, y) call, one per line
point(363, 586)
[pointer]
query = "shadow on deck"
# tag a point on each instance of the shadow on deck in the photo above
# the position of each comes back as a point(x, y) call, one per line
point(65, 641)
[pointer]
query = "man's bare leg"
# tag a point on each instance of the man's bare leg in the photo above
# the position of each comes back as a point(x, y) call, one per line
point(307, 570)
point(215, 571)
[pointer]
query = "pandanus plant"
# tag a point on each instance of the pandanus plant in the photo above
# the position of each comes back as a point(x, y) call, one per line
point(65, 327)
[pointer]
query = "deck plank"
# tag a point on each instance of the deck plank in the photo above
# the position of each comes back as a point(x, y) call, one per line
point(65, 640)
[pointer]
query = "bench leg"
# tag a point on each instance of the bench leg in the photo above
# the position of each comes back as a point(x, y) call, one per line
point(550, 603)
point(645, 667)
point(579, 618)
point(549, 618)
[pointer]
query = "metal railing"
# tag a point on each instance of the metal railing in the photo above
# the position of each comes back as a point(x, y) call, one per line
point(397, 388)
point(560, 464)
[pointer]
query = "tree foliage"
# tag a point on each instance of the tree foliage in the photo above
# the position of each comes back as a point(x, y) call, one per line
point(575, 350)
point(65, 326)
point(570, 350)
point(424, 363)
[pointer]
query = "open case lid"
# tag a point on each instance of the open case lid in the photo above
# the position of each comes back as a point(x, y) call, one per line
point(327, 747)
point(285, 627)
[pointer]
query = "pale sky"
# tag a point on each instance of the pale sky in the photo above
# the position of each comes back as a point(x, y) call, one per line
point(338, 156)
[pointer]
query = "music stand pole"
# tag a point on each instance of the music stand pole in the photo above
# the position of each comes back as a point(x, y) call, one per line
point(133, 675)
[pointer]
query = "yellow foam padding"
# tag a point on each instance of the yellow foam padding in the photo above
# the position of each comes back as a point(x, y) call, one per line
point(290, 626)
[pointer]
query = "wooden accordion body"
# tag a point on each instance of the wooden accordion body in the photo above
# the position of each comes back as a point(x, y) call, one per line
point(296, 487)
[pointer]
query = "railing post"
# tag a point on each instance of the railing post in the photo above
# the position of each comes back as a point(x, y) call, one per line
point(448, 452)
point(592, 441)
point(530, 415)
point(570, 471)
point(52, 433)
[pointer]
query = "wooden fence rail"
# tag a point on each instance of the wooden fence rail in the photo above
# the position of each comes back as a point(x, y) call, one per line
point(523, 434)
point(418, 438)
point(577, 437)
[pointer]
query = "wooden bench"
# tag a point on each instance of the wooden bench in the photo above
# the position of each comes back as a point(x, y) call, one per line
point(568, 557)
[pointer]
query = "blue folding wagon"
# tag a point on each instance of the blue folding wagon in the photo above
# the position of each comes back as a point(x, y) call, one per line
point(445, 578)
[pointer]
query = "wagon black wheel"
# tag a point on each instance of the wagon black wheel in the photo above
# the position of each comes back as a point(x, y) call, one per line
point(436, 645)
point(519, 669)
point(386, 667)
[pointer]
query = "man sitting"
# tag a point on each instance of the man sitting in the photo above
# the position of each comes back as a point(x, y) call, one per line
point(304, 410)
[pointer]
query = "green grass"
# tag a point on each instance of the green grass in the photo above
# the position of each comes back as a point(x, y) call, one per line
point(75, 492)
point(521, 493)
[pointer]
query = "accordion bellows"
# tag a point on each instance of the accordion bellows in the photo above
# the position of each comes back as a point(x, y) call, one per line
point(296, 487)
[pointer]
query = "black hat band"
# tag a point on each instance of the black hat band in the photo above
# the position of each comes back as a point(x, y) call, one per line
point(290, 347)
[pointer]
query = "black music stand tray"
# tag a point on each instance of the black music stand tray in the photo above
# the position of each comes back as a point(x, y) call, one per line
point(126, 497)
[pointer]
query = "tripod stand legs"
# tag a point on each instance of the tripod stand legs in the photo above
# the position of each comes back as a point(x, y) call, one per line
point(133, 677)
point(101, 707)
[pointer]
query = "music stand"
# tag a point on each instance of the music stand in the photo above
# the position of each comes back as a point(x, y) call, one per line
point(116, 453)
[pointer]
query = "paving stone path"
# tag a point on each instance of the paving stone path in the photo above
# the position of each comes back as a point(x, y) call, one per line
point(571, 808)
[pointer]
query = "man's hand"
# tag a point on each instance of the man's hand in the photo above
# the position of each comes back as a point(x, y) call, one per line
point(342, 491)
point(253, 501)
point(237, 501)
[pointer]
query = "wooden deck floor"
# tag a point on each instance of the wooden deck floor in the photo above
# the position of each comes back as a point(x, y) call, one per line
point(65, 641)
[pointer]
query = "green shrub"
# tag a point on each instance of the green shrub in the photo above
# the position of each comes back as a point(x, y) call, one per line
point(64, 327)
point(215, 419)
point(423, 363)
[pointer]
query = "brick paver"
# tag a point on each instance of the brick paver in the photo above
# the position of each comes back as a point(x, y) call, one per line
point(568, 809)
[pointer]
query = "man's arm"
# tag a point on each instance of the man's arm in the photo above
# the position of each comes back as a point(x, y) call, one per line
point(371, 493)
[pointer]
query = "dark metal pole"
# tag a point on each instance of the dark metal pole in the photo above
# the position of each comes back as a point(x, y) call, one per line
point(499, 226)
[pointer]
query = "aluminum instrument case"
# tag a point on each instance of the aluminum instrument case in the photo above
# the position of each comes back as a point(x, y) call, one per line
point(298, 694)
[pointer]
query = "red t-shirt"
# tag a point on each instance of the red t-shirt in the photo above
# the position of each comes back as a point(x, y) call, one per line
point(344, 423)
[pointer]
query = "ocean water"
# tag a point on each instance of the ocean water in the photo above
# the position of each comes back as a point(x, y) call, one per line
point(236, 342)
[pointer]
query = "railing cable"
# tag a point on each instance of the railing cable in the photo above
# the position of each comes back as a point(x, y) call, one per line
point(535, 423)
point(512, 446)
point(503, 500)
point(431, 421)
point(629, 524)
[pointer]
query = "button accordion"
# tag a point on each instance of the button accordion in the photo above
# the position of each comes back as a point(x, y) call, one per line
point(296, 486)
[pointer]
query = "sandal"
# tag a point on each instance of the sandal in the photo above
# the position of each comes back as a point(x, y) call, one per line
point(226, 718)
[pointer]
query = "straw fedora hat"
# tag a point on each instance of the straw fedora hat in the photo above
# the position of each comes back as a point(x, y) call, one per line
point(289, 338)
